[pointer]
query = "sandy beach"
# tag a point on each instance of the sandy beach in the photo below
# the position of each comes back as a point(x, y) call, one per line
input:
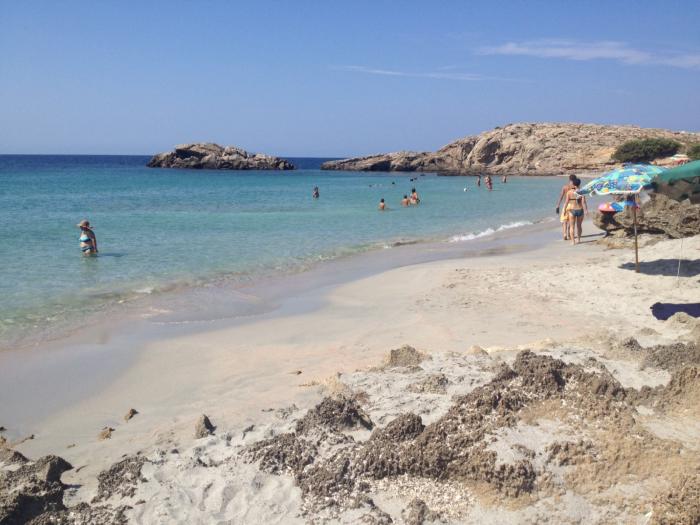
point(605, 442)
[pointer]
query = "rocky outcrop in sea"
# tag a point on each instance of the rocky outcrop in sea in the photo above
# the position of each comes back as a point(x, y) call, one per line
point(215, 157)
point(518, 149)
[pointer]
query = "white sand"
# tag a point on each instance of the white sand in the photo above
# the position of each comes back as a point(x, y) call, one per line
point(524, 300)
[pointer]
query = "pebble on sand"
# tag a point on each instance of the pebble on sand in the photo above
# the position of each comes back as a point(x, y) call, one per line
point(476, 350)
point(203, 428)
point(105, 433)
point(131, 413)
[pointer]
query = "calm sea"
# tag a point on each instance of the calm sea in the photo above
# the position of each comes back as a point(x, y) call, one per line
point(159, 228)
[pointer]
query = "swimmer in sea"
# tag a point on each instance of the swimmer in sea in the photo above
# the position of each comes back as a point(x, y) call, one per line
point(382, 205)
point(316, 193)
point(405, 202)
point(478, 180)
point(489, 182)
point(88, 241)
point(414, 197)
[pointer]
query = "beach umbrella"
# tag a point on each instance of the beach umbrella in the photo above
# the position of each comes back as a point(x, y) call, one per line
point(629, 180)
point(680, 183)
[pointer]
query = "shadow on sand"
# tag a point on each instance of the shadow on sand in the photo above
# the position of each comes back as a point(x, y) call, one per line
point(663, 311)
point(667, 267)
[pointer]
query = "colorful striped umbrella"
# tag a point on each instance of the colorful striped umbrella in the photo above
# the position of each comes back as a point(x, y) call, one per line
point(680, 183)
point(630, 178)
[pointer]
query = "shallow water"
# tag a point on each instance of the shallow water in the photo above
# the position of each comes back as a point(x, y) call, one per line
point(159, 229)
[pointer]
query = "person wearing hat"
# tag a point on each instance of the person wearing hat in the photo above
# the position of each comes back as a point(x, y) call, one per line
point(88, 241)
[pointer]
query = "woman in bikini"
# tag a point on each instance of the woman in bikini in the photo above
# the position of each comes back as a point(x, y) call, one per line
point(564, 216)
point(88, 241)
point(577, 208)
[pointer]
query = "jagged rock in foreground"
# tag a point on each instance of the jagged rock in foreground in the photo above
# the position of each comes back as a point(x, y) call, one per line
point(32, 491)
point(658, 216)
point(215, 157)
point(518, 149)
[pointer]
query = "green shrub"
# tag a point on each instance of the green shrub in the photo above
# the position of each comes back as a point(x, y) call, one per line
point(694, 151)
point(645, 150)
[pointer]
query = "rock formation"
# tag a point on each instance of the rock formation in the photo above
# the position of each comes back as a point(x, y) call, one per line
point(518, 149)
point(658, 216)
point(215, 157)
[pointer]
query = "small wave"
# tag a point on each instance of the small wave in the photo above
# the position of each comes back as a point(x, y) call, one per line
point(488, 231)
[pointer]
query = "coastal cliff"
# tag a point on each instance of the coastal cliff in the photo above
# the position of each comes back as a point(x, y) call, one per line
point(523, 149)
point(215, 157)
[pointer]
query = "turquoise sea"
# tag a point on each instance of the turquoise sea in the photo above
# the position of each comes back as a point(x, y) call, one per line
point(159, 229)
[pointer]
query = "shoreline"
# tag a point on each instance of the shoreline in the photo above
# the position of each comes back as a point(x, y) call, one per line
point(98, 345)
point(129, 304)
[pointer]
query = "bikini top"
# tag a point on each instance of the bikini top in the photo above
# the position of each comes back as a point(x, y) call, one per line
point(576, 198)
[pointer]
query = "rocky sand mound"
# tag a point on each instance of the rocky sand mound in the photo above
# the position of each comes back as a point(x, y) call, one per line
point(553, 436)
point(482, 442)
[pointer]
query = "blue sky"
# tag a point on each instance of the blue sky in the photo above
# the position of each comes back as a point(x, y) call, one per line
point(330, 78)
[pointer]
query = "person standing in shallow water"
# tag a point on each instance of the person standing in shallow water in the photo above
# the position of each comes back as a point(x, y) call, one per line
point(382, 205)
point(88, 241)
point(315, 193)
point(415, 200)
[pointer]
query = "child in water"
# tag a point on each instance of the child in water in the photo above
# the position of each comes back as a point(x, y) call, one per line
point(405, 202)
point(382, 205)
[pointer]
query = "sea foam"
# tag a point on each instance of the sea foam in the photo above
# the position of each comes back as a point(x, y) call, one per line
point(488, 231)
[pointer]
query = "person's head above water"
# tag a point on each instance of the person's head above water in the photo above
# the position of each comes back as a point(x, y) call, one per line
point(84, 224)
point(381, 200)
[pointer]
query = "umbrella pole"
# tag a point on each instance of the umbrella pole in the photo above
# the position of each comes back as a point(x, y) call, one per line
point(680, 256)
point(636, 247)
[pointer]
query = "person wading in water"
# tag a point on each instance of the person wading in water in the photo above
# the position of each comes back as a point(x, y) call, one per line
point(88, 241)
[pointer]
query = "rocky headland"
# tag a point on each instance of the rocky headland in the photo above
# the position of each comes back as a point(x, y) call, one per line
point(214, 157)
point(518, 149)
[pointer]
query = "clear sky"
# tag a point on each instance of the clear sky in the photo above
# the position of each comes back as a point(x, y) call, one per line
point(331, 78)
